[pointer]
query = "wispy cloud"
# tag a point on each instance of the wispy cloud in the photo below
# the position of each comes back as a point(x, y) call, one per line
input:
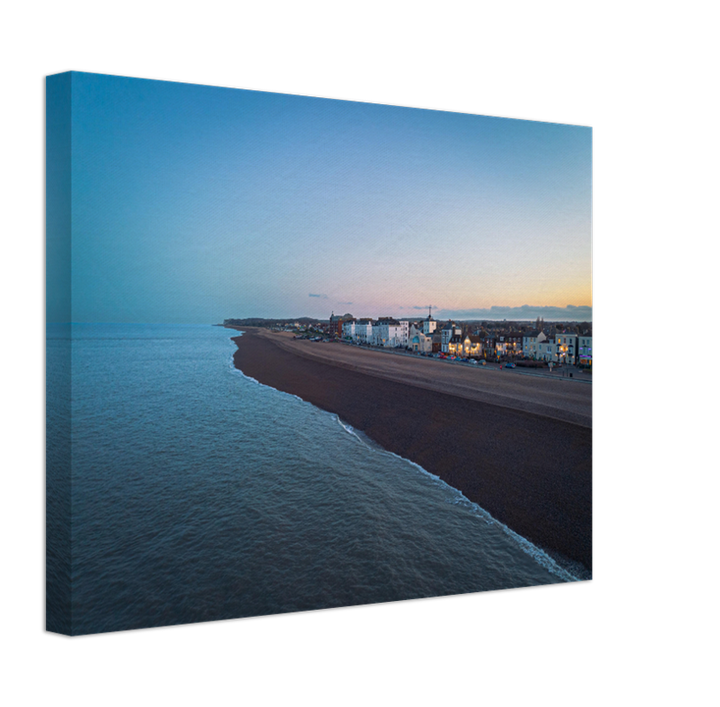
point(320, 296)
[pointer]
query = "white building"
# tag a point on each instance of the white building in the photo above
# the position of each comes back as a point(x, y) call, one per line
point(547, 351)
point(418, 341)
point(585, 350)
point(363, 330)
point(531, 343)
point(390, 332)
point(348, 329)
point(429, 325)
point(566, 347)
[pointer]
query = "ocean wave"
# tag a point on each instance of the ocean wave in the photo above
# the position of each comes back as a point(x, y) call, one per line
point(540, 556)
point(235, 370)
point(357, 434)
point(458, 498)
point(349, 428)
point(529, 548)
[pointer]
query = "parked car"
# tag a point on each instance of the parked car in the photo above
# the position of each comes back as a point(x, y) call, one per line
point(509, 365)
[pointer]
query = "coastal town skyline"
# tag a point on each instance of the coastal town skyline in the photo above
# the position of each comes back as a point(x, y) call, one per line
point(525, 313)
point(193, 203)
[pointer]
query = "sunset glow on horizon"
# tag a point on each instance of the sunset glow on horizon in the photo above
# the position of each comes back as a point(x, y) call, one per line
point(195, 204)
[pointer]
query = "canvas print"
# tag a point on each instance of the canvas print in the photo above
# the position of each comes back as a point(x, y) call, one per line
point(306, 353)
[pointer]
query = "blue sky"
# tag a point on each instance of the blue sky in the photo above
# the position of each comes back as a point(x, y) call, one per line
point(194, 203)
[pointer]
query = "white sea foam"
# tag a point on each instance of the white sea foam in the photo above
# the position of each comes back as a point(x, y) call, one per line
point(526, 546)
point(365, 441)
point(352, 513)
point(235, 370)
point(541, 557)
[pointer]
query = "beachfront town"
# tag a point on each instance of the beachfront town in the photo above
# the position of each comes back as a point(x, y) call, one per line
point(531, 343)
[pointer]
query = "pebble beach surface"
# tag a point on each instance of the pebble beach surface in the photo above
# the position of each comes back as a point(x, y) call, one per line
point(518, 446)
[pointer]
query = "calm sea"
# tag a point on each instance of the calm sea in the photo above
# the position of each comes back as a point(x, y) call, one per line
point(199, 494)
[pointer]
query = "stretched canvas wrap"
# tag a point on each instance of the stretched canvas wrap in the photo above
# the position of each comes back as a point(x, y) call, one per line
point(307, 353)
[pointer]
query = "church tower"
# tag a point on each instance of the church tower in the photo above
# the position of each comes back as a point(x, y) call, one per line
point(429, 324)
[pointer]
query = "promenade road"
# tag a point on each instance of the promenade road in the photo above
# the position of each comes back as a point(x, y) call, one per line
point(560, 398)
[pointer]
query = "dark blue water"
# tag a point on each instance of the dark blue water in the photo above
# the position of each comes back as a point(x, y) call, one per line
point(198, 494)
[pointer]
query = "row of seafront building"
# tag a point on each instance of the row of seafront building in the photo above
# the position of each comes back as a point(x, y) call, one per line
point(430, 336)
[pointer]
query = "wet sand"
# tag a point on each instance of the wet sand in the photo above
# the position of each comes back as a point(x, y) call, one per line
point(519, 446)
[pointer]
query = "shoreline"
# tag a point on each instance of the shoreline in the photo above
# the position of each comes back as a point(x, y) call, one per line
point(509, 454)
